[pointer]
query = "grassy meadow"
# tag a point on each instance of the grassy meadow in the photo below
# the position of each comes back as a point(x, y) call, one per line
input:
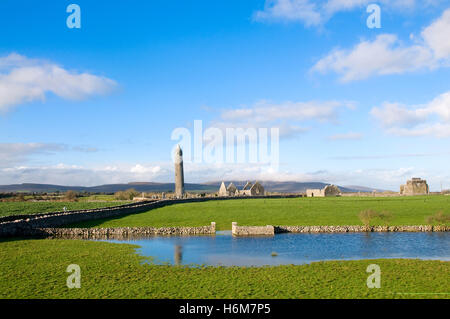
point(27, 207)
point(412, 210)
point(37, 269)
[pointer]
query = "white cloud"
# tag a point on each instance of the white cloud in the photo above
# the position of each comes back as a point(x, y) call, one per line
point(70, 175)
point(15, 153)
point(382, 56)
point(75, 175)
point(377, 157)
point(431, 119)
point(346, 136)
point(12, 153)
point(391, 114)
point(290, 117)
point(141, 169)
point(437, 130)
point(264, 111)
point(333, 6)
point(290, 10)
point(437, 34)
point(24, 80)
point(317, 12)
point(387, 55)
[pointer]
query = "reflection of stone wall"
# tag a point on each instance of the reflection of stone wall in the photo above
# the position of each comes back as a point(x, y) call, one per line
point(415, 186)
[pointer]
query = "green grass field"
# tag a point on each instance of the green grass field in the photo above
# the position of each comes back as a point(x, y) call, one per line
point(23, 208)
point(37, 269)
point(100, 198)
point(296, 211)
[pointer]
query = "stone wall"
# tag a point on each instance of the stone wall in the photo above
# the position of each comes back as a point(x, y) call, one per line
point(359, 229)
point(252, 230)
point(11, 226)
point(119, 233)
point(21, 225)
point(32, 216)
point(271, 230)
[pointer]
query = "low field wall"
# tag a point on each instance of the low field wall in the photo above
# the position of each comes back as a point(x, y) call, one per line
point(11, 226)
point(272, 230)
point(359, 229)
point(119, 233)
point(252, 230)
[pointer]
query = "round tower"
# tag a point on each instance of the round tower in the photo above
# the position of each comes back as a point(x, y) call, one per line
point(179, 173)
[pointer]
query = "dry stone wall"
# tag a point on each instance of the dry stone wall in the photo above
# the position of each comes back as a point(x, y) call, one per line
point(272, 230)
point(252, 230)
point(14, 226)
point(121, 232)
point(359, 229)
point(11, 226)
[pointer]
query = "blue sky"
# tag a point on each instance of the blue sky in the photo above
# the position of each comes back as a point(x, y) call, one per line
point(355, 106)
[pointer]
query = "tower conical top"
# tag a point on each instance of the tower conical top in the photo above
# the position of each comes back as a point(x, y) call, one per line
point(178, 150)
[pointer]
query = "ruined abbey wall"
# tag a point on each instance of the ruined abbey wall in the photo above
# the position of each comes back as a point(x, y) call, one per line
point(415, 186)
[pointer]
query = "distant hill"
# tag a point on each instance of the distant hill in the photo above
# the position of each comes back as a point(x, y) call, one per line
point(365, 189)
point(295, 187)
point(109, 188)
point(270, 186)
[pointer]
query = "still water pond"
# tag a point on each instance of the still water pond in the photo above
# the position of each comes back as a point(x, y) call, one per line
point(224, 249)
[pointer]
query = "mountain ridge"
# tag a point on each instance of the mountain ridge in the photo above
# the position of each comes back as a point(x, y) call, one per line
point(270, 186)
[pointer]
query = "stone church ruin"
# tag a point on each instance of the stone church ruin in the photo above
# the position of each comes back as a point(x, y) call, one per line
point(329, 190)
point(415, 186)
point(249, 189)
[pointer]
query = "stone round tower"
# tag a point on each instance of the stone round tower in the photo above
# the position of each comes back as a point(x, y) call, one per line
point(179, 173)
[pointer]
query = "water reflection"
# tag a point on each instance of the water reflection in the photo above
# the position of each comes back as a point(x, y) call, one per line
point(223, 249)
point(178, 255)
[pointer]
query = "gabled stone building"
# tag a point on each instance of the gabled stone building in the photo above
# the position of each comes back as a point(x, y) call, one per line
point(223, 190)
point(252, 189)
point(248, 190)
point(329, 190)
point(231, 190)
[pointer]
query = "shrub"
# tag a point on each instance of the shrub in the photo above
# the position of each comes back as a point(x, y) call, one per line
point(126, 195)
point(368, 215)
point(385, 216)
point(70, 196)
point(439, 218)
